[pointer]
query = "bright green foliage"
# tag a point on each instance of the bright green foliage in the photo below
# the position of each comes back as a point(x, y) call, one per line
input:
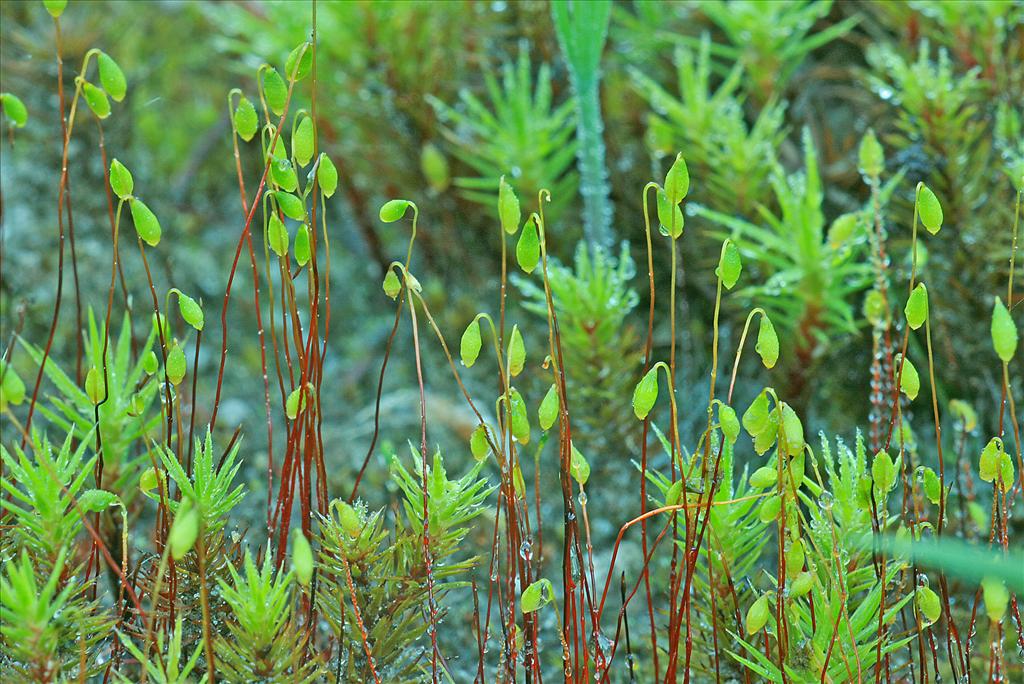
point(172, 668)
point(274, 90)
point(176, 364)
point(767, 345)
point(916, 309)
point(521, 129)
point(111, 77)
point(871, 157)
point(15, 109)
point(547, 414)
point(300, 62)
point(808, 285)
point(392, 286)
point(121, 181)
point(277, 236)
point(283, 173)
point(771, 40)
point(96, 99)
point(42, 504)
point(677, 180)
point(388, 576)
point(327, 175)
point(262, 641)
point(1004, 332)
point(929, 210)
point(209, 487)
point(537, 595)
point(996, 599)
point(302, 245)
point(593, 300)
point(55, 7)
point(393, 210)
point(184, 530)
point(528, 247)
point(12, 388)
point(579, 467)
point(38, 620)
point(519, 422)
point(508, 207)
point(732, 159)
point(127, 415)
point(910, 381)
point(469, 346)
point(670, 216)
point(292, 206)
point(516, 352)
point(146, 223)
point(245, 119)
point(303, 141)
point(729, 265)
point(478, 443)
point(645, 394)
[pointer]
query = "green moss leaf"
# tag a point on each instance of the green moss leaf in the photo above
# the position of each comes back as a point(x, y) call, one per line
point(929, 210)
point(55, 7)
point(391, 284)
point(327, 176)
point(472, 341)
point(111, 77)
point(767, 346)
point(146, 223)
point(729, 422)
point(96, 99)
point(1004, 332)
point(670, 216)
point(190, 310)
point(757, 615)
point(988, 464)
point(870, 156)
point(246, 120)
point(299, 62)
point(292, 206)
point(928, 605)
point(302, 558)
point(520, 422)
point(516, 352)
point(176, 364)
point(274, 90)
point(478, 443)
point(277, 236)
point(677, 180)
point(184, 531)
point(537, 595)
point(917, 307)
point(645, 394)
point(302, 245)
point(121, 181)
point(579, 468)
point(547, 414)
point(303, 141)
point(729, 265)
point(508, 207)
point(14, 109)
point(528, 247)
point(910, 381)
point(393, 210)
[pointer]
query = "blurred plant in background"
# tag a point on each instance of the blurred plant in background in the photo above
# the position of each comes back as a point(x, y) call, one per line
point(521, 133)
point(733, 158)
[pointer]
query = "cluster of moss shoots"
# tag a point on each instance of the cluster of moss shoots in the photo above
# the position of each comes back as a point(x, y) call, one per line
point(794, 562)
